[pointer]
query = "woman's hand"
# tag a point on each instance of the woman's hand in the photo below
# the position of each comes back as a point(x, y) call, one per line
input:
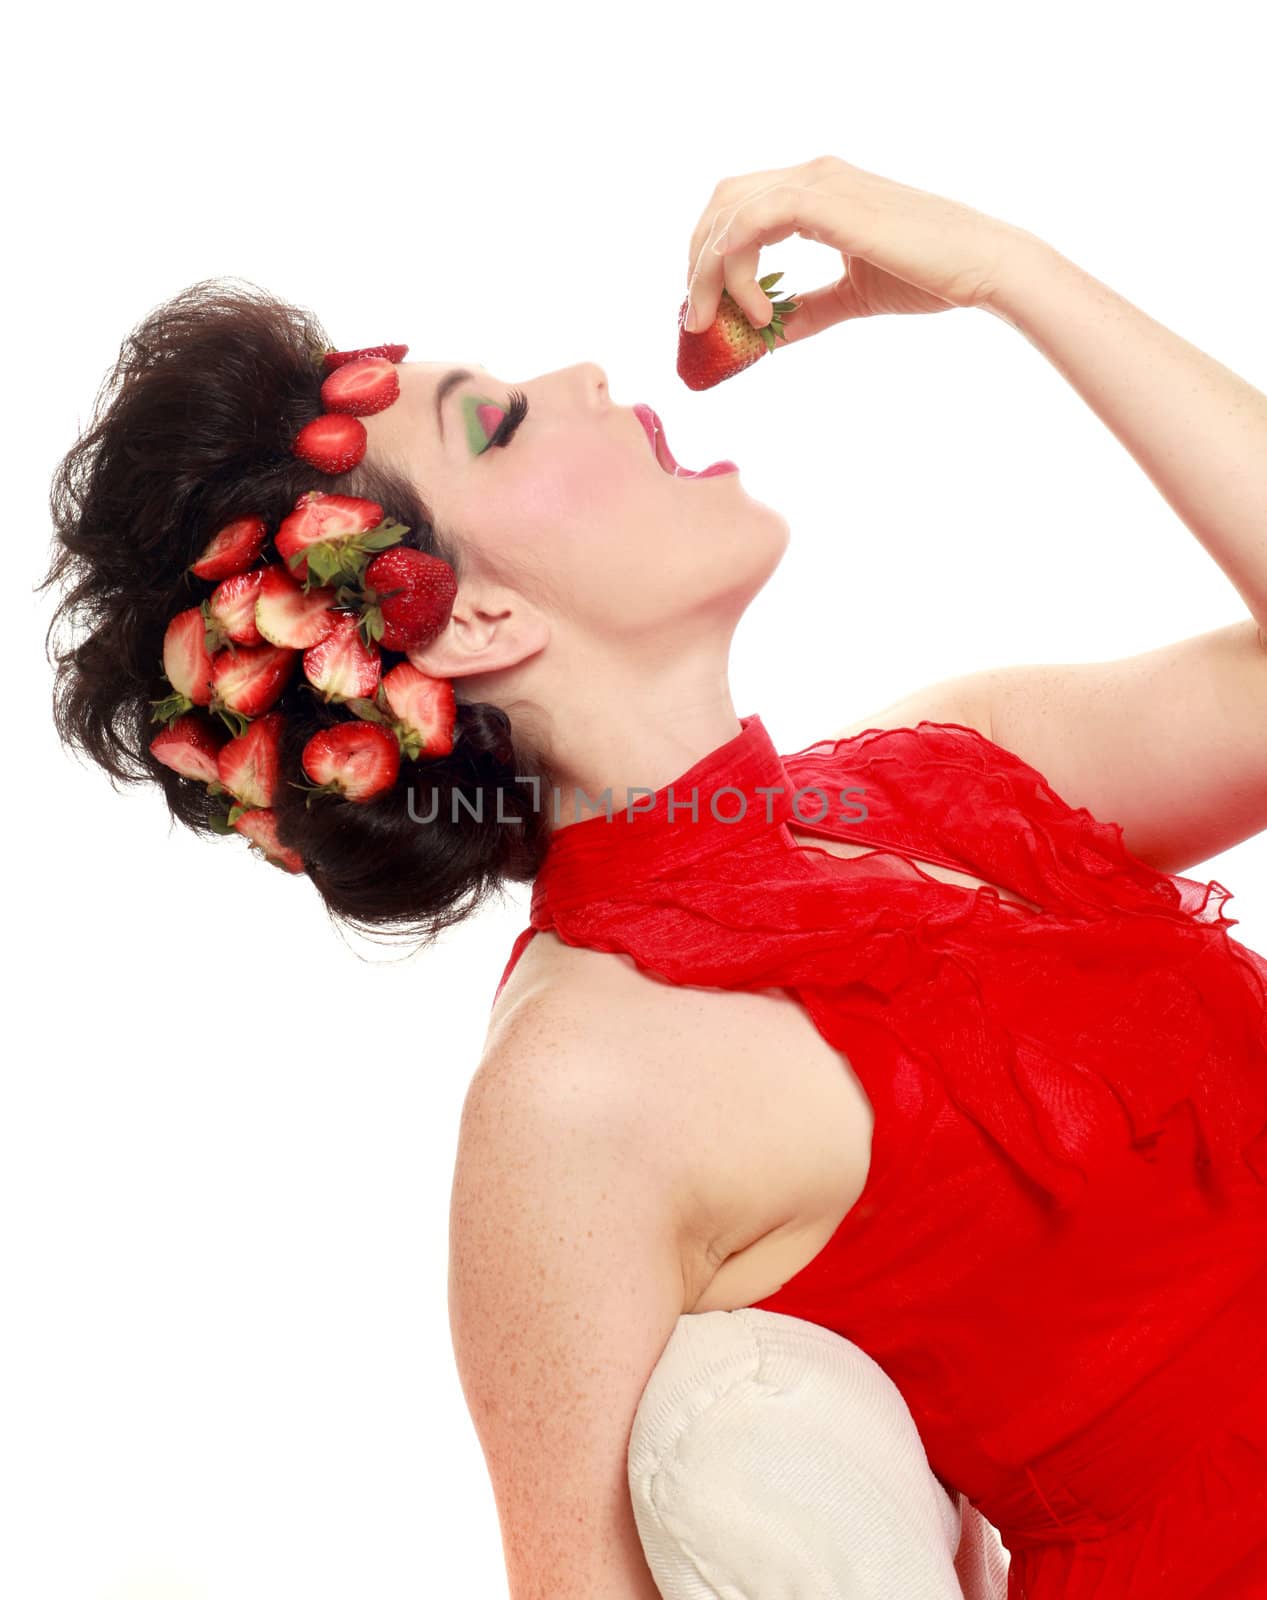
point(903, 249)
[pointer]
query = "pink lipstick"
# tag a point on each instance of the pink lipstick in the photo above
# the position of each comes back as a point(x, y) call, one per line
point(654, 430)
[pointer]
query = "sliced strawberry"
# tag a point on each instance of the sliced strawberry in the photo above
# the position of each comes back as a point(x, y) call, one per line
point(336, 534)
point(730, 342)
point(361, 388)
point(260, 827)
point(343, 666)
point(235, 548)
point(425, 710)
point(334, 359)
point(187, 665)
point(249, 682)
point(286, 613)
point(230, 612)
point(355, 759)
point(409, 597)
point(249, 765)
point(190, 745)
point(331, 443)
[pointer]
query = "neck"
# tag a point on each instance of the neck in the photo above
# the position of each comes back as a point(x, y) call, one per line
point(623, 733)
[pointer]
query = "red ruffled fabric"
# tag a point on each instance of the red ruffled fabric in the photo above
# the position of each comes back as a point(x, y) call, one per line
point(1059, 1254)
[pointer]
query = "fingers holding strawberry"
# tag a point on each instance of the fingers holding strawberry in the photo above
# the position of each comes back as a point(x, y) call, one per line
point(730, 342)
point(903, 250)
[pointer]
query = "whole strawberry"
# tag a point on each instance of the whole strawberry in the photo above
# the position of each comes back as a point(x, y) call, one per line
point(730, 342)
point(407, 598)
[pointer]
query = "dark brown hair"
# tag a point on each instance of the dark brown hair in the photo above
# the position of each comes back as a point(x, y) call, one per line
point(191, 430)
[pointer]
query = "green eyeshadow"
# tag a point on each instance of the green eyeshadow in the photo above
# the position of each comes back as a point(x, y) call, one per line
point(480, 429)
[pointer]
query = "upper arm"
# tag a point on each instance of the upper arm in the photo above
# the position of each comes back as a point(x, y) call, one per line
point(565, 1284)
point(1170, 744)
point(962, 699)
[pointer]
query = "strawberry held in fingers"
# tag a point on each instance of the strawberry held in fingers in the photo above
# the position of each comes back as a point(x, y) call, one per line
point(357, 760)
point(730, 342)
point(408, 597)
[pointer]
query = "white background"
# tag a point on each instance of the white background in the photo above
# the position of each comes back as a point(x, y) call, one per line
point(226, 1133)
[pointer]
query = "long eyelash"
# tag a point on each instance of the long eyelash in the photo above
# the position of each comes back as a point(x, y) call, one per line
point(516, 412)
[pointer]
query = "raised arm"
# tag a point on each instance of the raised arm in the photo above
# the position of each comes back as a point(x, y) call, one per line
point(566, 1280)
point(1195, 427)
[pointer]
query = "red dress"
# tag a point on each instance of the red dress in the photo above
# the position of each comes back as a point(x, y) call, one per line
point(1060, 1253)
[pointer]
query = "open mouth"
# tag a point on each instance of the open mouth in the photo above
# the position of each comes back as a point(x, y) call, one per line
point(654, 430)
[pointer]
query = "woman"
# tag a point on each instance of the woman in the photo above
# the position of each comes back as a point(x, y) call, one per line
point(898, 1039)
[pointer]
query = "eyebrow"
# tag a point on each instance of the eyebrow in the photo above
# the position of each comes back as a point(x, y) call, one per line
point(448, 383)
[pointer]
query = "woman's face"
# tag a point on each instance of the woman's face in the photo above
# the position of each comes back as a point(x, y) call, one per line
point(575, 514)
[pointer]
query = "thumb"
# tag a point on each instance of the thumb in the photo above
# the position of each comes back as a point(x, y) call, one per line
point(820, 309)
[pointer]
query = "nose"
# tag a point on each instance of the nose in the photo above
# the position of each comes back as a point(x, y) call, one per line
point(597, 379)
point(581, 387)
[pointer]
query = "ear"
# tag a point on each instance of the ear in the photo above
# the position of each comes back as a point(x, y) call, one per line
point(488, 630)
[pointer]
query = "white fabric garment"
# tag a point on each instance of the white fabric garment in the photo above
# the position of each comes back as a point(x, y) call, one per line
point(772, 1459)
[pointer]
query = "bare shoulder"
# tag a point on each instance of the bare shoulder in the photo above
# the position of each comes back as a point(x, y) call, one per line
point(563, 999)
point(964, 699)
point(588, 1039)
point(757, 1123)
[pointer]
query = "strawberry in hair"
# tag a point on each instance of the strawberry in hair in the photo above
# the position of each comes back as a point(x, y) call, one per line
point(361, 388)
point(190, 745)
point(330, 538)
point(259, 826)
point(408, 597)
point(424, 708)
point(230, 612)
point(249, 681)
point(342, 666)
point(359, 383)
point(236, 547)
point(331, 443)
point(186, 664)
point(248, 766)
point(288, 614)
point(357, 760)
point(333, 359)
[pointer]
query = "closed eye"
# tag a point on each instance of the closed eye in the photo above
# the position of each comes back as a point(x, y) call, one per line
point(515, 413)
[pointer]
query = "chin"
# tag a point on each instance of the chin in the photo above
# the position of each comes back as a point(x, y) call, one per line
point(766, 534)
point(750, 555)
